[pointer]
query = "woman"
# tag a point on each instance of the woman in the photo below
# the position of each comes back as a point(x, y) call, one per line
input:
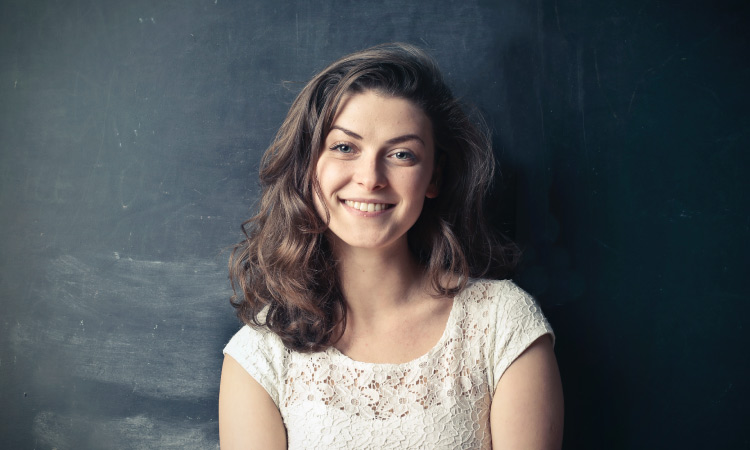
point(367, 323)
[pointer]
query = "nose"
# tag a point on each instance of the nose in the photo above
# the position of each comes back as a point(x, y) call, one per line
point(369, 173)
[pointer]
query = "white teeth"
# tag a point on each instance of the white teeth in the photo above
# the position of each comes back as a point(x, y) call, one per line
point(366, 207)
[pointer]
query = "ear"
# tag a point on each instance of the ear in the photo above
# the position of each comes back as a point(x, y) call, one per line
point(432, 190)
point(434, 187)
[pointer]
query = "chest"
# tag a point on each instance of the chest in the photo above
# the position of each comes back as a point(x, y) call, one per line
point(440, 400)
point(402, 338)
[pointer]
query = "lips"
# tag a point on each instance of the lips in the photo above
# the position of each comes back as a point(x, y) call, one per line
point(367, 207)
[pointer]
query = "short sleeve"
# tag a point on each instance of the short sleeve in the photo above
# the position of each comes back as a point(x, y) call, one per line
point(262, 354)
point(518, 323)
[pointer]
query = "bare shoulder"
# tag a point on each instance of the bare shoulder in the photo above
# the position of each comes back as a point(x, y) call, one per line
point(248, 417)
point(527, 408)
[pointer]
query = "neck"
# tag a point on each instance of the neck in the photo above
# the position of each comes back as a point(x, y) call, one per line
point(377, 281)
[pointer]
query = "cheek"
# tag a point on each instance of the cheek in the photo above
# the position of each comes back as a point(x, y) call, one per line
point(323, 174)
point(419, 183)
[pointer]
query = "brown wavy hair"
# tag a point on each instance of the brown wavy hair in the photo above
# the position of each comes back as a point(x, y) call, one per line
point(283, 274)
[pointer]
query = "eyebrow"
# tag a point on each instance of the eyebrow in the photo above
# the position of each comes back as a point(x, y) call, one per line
point(392, 141)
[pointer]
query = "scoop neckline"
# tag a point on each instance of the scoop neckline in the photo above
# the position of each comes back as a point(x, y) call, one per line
point(336, 354)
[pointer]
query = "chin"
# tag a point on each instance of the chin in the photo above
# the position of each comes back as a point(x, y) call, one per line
point(369, 242)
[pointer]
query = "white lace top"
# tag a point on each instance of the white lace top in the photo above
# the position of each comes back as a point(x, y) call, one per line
point(440, 400)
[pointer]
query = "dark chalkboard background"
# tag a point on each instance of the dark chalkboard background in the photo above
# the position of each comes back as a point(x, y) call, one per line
point(130, 138)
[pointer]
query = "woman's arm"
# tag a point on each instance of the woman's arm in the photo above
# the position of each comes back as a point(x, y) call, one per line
point(248, 418)
point(527, 409)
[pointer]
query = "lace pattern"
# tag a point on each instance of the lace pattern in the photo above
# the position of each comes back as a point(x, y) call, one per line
point(439, 400)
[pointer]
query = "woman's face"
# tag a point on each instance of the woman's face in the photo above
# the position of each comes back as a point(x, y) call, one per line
point(375, 169)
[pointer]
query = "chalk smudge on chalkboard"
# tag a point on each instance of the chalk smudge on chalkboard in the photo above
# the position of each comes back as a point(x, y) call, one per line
point(136, 432)
point(150, 326)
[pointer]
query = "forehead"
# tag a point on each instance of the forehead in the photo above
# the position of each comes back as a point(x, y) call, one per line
point(380, 113)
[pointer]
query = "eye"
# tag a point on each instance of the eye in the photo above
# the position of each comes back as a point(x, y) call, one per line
point(403, 156)
point(342, 148)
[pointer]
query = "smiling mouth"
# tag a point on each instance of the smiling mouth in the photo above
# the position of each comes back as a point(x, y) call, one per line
point(367, 207)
